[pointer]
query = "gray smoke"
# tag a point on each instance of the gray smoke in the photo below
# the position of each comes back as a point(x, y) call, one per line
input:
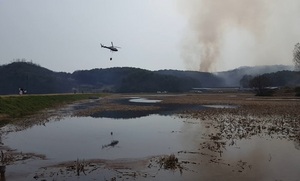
point(270, 29)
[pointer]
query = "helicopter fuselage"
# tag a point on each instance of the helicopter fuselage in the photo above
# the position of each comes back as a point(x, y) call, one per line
point(112, 48)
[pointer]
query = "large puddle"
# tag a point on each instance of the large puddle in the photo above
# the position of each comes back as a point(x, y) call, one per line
point(72, 138)
point(86, 137)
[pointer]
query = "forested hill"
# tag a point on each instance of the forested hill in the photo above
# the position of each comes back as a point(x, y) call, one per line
point(131, 80)
point(229, 78)
point(33, 78)
point(39, 80)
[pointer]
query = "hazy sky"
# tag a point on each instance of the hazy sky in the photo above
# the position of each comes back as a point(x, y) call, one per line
point(65, 35)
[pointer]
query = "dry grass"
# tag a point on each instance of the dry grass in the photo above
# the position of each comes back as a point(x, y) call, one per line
point(275, 116)
point(169, 162)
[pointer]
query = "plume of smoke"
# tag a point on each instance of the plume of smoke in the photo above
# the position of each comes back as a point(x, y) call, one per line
point(297, 56)
point(209, 20)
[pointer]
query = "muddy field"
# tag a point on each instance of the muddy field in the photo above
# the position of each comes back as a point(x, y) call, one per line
point(224, 137)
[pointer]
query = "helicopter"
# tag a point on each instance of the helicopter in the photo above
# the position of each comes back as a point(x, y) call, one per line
point(112, 48)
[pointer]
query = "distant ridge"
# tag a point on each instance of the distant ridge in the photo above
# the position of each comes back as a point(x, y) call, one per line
point(232, 77)
point(39, 80)
point(229, 78)
point(261, 69)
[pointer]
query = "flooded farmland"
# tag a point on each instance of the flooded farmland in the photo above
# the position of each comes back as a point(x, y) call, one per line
point(186, 137)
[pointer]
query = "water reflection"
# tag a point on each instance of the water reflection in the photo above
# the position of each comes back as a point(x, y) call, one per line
point(123, 114)
point(259, 157)
point(83, 137)
point(220, 106)
point(253, 157)
point(164, 109)
point(143, 100)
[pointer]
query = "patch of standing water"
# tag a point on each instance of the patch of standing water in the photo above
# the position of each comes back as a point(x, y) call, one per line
point(83, 137)
point(220, 106)
point(257, 158)
point(143, 100)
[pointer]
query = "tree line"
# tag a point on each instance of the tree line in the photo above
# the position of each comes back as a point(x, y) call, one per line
point(39, 80)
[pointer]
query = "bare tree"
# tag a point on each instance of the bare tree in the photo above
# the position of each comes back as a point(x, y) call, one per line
point(296, 54)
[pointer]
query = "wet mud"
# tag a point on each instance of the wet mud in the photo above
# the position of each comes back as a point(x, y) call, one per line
point(240, 137)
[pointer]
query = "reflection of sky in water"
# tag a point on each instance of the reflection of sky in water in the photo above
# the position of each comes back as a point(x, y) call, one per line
point(143, 100)
point(83, 137)
point(265, 158)
point(270, 159)
point(220, 106)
